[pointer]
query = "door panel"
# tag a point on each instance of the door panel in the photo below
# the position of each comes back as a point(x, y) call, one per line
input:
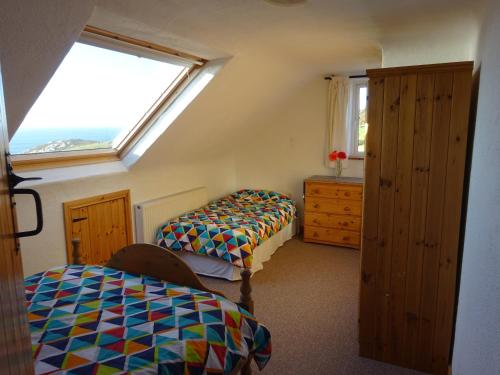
point(414, 171)
point(15, 347)
point(102, 223)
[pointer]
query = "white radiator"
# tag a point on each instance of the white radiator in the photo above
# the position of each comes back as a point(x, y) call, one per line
point(150, 215)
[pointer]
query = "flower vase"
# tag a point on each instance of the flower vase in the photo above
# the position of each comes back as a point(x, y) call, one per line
point(338, 168)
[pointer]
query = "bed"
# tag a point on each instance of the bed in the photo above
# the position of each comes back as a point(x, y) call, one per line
point(143, 312)
point(218, 238)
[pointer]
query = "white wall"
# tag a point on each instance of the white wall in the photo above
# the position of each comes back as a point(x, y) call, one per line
point(444, 42)
point(477, 338)
point(288, 143)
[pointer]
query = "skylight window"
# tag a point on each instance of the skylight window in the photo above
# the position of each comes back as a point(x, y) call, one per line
point(99, 97)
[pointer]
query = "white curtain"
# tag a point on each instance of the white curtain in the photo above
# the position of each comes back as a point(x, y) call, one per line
point(338, 101)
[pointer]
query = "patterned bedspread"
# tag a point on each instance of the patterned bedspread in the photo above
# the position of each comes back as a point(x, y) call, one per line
point(98, 320)
point(231, 227)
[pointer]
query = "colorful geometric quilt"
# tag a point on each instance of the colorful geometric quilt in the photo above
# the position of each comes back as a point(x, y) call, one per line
point(231, 227)
point(98, 320)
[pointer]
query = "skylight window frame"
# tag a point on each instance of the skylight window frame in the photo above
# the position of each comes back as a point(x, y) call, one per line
point(112, 41)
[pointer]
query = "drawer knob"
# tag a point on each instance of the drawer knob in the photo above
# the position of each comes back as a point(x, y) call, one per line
point(316, 191)
point(315, 221)
point(347, 208)
point(347, 194)
point(315, 234)
point(316, 205)
point(346, 238)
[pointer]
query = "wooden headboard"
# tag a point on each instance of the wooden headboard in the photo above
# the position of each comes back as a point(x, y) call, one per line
point(150, 215)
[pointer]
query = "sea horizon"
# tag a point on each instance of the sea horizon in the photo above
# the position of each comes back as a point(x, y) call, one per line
point(26, 139)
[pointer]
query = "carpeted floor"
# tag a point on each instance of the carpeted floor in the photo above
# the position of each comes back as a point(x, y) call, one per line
point(307, 295)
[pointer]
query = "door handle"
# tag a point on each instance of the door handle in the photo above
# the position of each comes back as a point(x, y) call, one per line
point(13, 181)
point(39, 213)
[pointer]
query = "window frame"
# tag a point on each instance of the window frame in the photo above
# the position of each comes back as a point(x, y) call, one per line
point(113, 41)
point(355, 85)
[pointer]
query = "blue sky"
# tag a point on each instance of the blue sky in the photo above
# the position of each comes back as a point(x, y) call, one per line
point(97, 87)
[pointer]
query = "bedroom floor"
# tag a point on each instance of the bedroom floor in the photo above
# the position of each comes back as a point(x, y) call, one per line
point(307, 295)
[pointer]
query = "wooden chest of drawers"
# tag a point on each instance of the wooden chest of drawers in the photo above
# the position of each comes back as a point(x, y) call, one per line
point(332, 210)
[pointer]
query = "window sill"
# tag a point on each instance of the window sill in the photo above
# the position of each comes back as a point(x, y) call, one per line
point(66, 166)
point(23, 163)
point(71, 173)
point(356, 158)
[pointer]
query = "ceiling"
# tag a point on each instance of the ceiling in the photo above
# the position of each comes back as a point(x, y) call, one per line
point(321, 35)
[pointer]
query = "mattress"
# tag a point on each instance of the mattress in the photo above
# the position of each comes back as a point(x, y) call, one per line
point(99, 320)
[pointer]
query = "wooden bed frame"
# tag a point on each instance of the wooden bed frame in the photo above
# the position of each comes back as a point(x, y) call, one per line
point(154, 261)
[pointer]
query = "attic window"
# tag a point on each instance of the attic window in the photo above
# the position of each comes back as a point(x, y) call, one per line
point(101, 96)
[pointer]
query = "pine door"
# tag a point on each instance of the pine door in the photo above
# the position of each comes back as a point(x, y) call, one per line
point(102, 223)
point(15, 346)
point(414, 175)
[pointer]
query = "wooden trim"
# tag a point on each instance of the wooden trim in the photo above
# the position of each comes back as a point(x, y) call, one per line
point(60, 159)
point(169, 95)
point(98, 199)
point(430, 68)
point(84, 202)
point(142, 43)
point(355, 158)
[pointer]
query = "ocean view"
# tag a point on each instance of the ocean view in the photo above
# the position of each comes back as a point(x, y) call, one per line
point(26, 139)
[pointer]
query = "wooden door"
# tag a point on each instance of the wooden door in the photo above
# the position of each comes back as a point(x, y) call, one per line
point(102, 223)
point(15, 346)
point(414, 171)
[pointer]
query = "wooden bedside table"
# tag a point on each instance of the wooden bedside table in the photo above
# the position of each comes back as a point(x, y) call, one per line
point(332, 210)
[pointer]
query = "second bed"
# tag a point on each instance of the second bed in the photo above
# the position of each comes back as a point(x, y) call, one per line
point(240, 230)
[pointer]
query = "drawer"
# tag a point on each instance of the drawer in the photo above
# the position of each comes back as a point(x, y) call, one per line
point(334, 206)
point(320, 219)
point(330, 235)
point(315, 189)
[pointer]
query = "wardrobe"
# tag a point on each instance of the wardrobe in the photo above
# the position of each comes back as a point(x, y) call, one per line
point(416, 147)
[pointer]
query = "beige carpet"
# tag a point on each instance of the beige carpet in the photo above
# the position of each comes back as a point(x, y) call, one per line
point(307, 295)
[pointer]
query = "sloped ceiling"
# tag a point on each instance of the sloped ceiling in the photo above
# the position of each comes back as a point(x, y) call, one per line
point(342, 35)
point(35, 36)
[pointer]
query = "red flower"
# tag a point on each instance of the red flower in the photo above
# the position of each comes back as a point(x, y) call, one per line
point(332, 156)
point(342, 155)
